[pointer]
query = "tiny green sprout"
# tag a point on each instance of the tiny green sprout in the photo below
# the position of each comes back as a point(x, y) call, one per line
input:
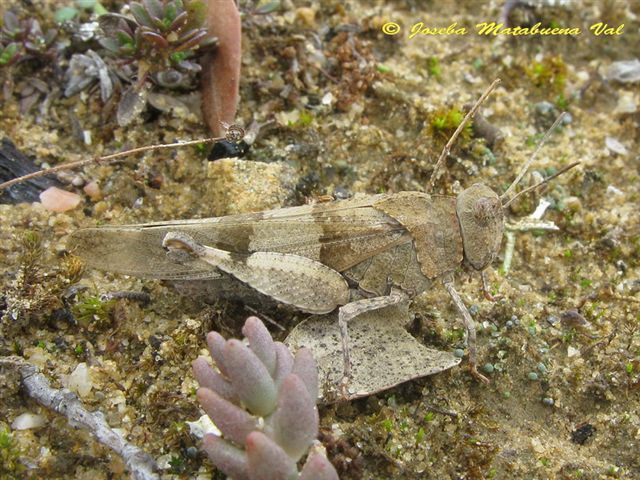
point(533, 140)
point(387, 424)
point(420, 436)
point(433, 67)
point(65, 14)
point(629, 368)
point(562, 102)
point(305, 119)
point(445, 121)
point(8, 53)
point(383, 68)
point(200, 148)
point(10, 465)
point(90, 309)
point(545, 461)
point(585, 282)
point(568, 253)
point(177, 465)
point(41, 344)
point(78, 350)
point(551, 72)
point(429, 416)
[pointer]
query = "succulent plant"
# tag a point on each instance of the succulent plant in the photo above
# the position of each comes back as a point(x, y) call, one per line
point(263, 400)
point(162, 35)
point(23, 39)
point(161, 39)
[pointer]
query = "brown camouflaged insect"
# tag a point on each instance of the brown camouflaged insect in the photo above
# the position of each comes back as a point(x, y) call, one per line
point(317, 258)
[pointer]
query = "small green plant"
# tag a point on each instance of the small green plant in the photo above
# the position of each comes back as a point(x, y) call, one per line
point(445, 121)
point(549, 73)
point(161, 40)
point(67, 13)
point(22, 39)
point(10, 466)
point(160, 36)
point(433, 67)
point(91, 310)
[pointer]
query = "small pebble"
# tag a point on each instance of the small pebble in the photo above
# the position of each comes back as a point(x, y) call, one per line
point(458, 352)
point(544, 107)
point(542, 367)
point(614, 145)
point(515, 319)
point(55, 199)
point(509, 324)
point(548, 401)
point(573, 318)
point(192, 452)
point(27, 421)
point(488, 368)
point(533, 376)
point(473, 310)
point(552, 319)
point(93, 190)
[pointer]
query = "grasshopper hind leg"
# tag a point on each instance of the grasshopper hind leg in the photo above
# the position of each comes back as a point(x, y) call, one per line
point(352, 310)
point(470, 328)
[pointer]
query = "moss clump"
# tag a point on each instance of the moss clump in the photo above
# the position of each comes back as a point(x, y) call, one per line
point(92, 311)
point(10, 466)
point(444, 122)
point(550, 73)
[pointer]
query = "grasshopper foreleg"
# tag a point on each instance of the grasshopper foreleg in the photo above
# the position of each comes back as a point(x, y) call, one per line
point(352, 310)
point(469, 326)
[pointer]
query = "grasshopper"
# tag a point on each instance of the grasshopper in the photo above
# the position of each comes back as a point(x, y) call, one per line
point(355, 255)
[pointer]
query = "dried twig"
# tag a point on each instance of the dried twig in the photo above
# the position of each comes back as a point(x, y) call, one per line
point(140, 464)
point(106, 158)
point(447, 148)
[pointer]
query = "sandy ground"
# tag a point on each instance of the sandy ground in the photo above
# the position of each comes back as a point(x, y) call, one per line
point(356, 110)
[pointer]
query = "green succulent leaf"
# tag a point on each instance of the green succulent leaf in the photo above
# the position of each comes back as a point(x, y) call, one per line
point(141, 15)
point(86, 3)
point(65, 14)
point(8, 53)
point(153, 8)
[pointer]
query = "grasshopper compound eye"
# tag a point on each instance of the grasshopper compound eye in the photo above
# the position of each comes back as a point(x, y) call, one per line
point(486, 209)
point(481, 219)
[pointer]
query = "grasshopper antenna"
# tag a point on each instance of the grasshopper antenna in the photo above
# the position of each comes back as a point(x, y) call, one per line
point(528, 163)
point(447, 148)
point(546, 180)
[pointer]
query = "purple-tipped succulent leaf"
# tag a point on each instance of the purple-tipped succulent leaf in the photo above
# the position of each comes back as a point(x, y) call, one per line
point(318, 467)
point(304, 365)
point(216, 343)
point(260, 342)
point(267, 461)
point(231, 460)
point(250, 378)
point(284, 362)
point(207, 377)
point(295, 421)
point(234, 422)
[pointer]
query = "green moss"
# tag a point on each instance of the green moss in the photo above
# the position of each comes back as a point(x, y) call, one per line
point(444, 122)
point(550, 73)
point(433, 67)
point(10, 466)
point(90, 310)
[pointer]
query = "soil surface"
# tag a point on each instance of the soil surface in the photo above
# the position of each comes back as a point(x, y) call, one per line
point(349, 109)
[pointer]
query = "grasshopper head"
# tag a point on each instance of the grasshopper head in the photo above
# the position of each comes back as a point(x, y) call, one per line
point(481, 220)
